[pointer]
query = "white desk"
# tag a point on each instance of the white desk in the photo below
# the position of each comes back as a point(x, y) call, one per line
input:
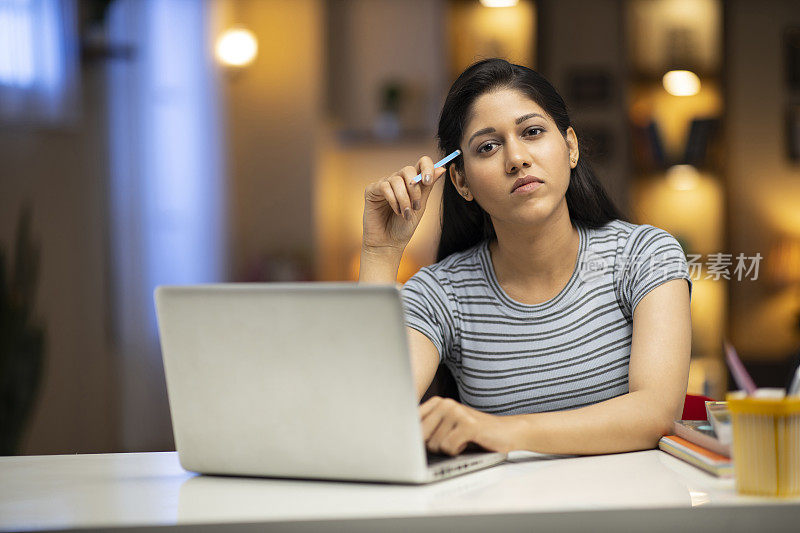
point(641, 491)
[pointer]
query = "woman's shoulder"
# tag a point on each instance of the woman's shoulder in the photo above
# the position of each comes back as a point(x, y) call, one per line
point(622, 234)
point(617, 228)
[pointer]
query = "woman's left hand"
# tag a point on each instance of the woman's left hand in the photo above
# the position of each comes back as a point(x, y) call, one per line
point(448, 426)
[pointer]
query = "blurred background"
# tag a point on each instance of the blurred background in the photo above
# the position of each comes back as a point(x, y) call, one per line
point(145, 142)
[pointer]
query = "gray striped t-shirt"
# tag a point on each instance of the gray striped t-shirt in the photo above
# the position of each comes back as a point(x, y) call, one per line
point(570, 351)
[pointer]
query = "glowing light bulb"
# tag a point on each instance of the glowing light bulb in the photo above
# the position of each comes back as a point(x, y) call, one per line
point(683, 177)
point(237, 47)
point(681, 83)
point(499, 3)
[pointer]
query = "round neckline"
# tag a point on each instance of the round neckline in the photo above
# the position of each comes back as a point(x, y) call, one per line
point(501, 294)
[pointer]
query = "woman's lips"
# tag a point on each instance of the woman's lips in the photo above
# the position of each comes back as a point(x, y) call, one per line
point(527, 188)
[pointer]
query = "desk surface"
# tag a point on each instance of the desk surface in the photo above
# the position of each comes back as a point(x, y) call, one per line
point(151, 489)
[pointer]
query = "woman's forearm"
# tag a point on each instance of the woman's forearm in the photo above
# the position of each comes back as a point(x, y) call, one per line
point(379, 266)
point(633, 421)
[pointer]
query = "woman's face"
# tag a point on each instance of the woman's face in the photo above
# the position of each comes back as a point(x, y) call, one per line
point(509, 137)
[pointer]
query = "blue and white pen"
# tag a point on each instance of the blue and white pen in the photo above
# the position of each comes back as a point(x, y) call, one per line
point(438, 164)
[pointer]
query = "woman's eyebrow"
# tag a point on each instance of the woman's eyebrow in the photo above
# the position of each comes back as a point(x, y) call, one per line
point(492, 130)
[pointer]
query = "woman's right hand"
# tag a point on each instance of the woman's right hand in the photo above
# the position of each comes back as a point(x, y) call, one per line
point(394, 206)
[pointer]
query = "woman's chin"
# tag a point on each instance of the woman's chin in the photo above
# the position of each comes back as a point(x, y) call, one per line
point(530, 216)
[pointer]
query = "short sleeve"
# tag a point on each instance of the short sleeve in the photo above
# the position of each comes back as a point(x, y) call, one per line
point(650, 257)
point(427, 310)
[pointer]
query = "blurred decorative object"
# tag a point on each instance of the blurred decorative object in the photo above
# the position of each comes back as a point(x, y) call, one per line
point(499, 3)
point(648, 148)
point(683, 177)
point(793, 132)
point(650, 154)
point(22, 337)
point(701, 133)
point(791, 45)
point(39, 79)
point(387, 124)
point(681, 83)
point(687, 126)
point(237, 47)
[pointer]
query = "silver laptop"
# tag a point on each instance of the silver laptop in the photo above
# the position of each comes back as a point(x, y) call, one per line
point(305, 380)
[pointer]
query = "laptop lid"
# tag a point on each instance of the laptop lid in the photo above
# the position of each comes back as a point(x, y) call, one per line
point(308, 380)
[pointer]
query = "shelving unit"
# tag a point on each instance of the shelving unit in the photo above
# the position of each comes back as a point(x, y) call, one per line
point(678, 181)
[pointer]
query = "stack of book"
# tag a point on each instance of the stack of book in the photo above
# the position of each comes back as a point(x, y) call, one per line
point(696, 442)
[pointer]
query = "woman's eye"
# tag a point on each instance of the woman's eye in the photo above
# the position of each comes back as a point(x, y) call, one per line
point(482, 149)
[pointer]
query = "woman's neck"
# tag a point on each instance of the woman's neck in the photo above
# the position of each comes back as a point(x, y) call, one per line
point(536, 257)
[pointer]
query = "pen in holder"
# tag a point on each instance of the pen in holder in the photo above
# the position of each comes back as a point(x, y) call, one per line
point(766, 443)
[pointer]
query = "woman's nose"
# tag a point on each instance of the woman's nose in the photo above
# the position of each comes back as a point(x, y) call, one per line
point(516, 158)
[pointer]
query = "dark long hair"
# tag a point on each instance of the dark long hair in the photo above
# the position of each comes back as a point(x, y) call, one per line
point(465, 224)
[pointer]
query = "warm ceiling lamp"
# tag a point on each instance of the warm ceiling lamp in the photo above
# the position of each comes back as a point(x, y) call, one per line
point(499, 3)
point(681, 83)
point(683, 177)
point(237, 47)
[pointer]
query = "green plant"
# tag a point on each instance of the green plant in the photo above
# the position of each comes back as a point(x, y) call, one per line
point(22, 337)
point(392, 96)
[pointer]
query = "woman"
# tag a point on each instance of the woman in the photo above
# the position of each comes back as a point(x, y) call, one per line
point(566, 328)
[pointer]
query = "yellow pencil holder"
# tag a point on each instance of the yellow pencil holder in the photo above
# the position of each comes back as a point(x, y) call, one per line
point(766, 444)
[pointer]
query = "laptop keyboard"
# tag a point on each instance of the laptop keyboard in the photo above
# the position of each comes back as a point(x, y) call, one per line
point(435, 458)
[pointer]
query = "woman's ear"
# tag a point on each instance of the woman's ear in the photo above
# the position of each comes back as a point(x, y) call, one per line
point(572, 144)
point(460, 183)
